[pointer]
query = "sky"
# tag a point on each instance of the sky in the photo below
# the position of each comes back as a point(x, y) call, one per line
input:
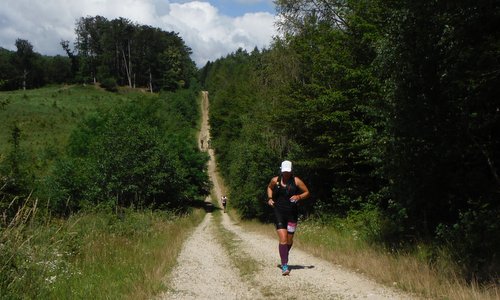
point(212, 29)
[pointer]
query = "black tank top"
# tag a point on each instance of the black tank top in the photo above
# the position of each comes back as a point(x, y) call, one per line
point(282, 193)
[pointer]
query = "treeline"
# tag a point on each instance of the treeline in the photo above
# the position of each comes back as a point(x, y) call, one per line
point(389, 112)
point(27, 69)
point(111, 52)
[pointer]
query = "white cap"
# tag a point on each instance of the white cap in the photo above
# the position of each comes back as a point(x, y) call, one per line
point(286, 166)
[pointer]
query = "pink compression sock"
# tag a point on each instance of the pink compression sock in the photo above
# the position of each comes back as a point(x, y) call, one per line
point(283, 248)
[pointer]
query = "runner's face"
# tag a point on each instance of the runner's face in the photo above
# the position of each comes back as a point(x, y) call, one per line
point(286, 175)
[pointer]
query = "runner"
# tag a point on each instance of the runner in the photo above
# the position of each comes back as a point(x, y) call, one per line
point(283, 193)
point(224, 202)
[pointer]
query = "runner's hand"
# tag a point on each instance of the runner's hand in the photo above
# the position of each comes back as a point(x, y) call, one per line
point(270, 202)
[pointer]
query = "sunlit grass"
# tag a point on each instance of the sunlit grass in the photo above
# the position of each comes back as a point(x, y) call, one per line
point(47, 116)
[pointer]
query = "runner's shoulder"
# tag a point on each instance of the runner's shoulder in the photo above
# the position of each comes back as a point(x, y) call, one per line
point(273, 181)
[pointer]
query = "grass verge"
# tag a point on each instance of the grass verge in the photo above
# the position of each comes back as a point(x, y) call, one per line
point(92, 255)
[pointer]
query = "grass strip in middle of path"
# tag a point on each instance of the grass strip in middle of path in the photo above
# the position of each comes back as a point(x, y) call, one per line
point(246, 266)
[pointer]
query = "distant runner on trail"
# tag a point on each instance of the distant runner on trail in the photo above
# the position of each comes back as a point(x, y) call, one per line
point(223, 199)
point(283, 193)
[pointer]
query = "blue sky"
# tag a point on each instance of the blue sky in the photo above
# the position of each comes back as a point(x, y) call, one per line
point(237, 8)
point(212, 29)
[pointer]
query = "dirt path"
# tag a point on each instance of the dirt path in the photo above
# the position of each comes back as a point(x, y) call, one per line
point(206, 271)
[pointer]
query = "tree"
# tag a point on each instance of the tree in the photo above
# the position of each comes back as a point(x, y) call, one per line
point(89, 32)
point(7, 70)
point(25, 57)
point(443, 160)
point(72, 56)
point(133, 54)
point(57, 69)
point(334, 90)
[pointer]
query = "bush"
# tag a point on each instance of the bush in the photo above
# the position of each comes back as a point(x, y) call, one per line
point(474, 242)
point(109, 84)
point(129, 157)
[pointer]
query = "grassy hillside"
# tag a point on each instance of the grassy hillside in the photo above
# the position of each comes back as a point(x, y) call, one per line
point(125, 143)
point(47, 116)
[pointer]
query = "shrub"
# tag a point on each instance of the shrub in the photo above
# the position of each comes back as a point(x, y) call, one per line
point(109, 84)
point(129, 157)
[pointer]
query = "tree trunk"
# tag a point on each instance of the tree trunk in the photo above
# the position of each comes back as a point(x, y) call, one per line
point(126, 69)
point(25, 74)
point(129, 64)
point(150, 81)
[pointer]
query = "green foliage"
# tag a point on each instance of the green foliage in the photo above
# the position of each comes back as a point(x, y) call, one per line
point(166, 133)
point(380, 104)
point(109, 84)
point(128, 156)
point(15, 177)
point(57, 69)
point(46, 118)
point(98, 151)
point(135, 55)
point(443, 157)
point(105, 51)
point(7, 70)
point(472, 240)
point(239, 114)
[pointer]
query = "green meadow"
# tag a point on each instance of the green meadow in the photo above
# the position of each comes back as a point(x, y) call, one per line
point(47, 116)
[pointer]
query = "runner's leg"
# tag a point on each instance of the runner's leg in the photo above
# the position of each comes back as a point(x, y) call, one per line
point(283, 247)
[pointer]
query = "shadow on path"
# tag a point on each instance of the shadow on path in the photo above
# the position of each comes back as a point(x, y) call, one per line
point(297, 267)
point(207, 206)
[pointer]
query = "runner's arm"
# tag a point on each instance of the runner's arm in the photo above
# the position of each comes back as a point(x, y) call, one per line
point(303, 188)
point(270, 188)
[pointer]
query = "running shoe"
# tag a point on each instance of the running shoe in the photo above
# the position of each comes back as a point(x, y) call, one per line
point(284, 270)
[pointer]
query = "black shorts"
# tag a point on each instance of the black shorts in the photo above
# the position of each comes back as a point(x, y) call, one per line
point(286, 218)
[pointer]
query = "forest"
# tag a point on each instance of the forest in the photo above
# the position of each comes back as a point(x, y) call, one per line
point(389, 111)
point(112, 52)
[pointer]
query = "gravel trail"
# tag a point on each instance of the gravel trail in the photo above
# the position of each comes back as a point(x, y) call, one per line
point(206, 271)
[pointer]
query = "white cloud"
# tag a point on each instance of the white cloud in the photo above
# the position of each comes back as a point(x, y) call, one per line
point(204, 29)
point(212, 35)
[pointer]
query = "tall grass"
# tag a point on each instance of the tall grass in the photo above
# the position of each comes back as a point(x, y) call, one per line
point(93, 255)
point(342, 244)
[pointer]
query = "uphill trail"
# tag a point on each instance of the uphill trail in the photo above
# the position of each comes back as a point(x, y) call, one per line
point(206, 270)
